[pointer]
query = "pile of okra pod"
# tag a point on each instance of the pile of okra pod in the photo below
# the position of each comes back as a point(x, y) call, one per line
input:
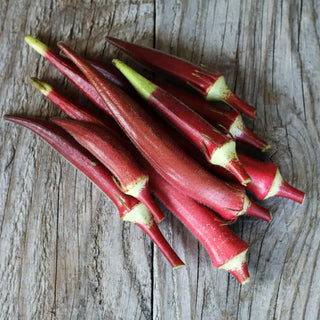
point(147, 136)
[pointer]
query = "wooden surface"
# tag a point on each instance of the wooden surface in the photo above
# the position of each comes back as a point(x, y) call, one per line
point(65, 254)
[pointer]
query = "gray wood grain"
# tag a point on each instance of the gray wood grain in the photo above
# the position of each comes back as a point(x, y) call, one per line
point(64, 251)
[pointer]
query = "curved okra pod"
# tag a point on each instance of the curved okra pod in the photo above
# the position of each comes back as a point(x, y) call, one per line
point(211, 84)
point(68, 69)
point(218, 148)
point(109, 149)
point(227, 121)
point(129, 208)
point(227, 251)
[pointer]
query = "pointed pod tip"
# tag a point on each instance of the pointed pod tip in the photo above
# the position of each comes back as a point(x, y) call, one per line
point(117, 62)
point(266, 148)
point(59, 121)
point(42, 86)
point(112, 39)
point(65, 49)
point(8, 117)
point(36, 44)
point(142, 85)
point(13, 118)
point(16, 119)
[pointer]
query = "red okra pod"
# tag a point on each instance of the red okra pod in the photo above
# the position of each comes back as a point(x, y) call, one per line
point(78, 112)
point(227, 251)
point(229, 122)
point(262, 174)
point(68, 69)
point(211, 84)
point(218, 148)
point(73, 110)
point(267, 181)
point(129, 208)
point(110, 150)
point(164, 155)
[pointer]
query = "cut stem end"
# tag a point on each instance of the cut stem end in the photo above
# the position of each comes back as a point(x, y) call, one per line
point(289, 192)
point(281, 188)
point(238, 267)
point(236, 103)
point(259, 212)
point(146, 197)
point(267, 148)
point(157, 237)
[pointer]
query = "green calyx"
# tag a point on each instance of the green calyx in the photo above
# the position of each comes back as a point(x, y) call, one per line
point(143, 86)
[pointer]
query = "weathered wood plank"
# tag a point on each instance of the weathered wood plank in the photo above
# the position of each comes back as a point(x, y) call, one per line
point(64, 251)
point(268, 52)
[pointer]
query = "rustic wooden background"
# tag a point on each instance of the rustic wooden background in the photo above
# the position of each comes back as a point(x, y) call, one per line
point(64, 253)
